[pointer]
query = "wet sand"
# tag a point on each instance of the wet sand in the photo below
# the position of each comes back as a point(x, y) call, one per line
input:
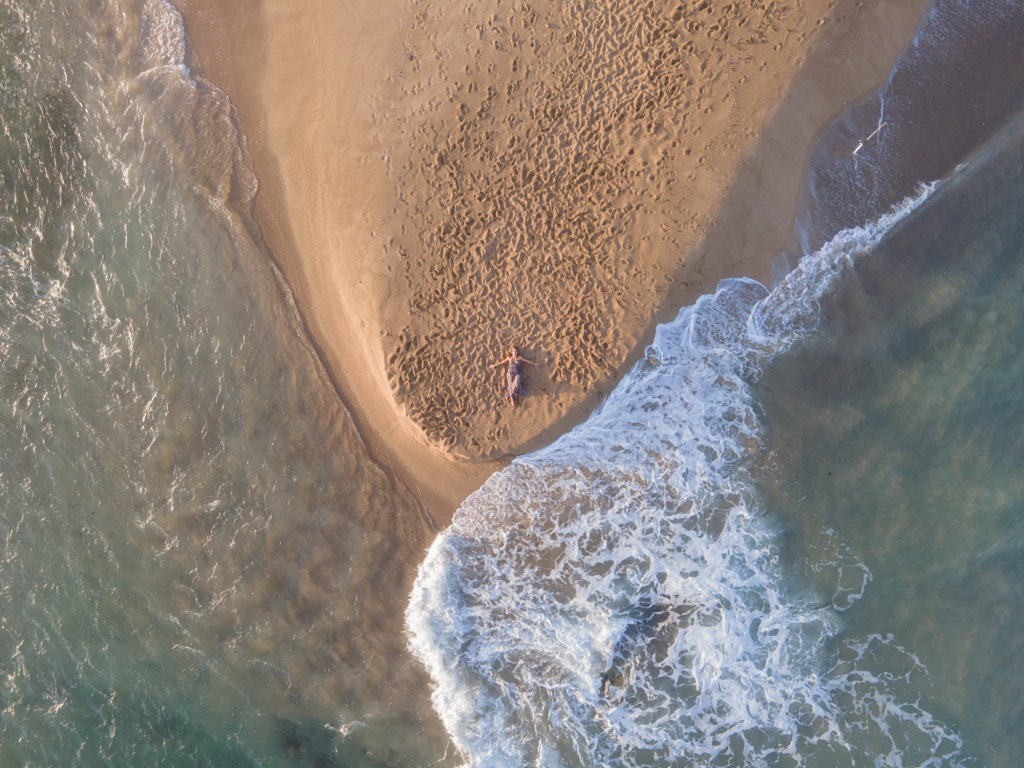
point(439, 181)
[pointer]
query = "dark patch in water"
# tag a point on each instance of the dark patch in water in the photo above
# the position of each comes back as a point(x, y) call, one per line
point(309, 743)
point(948, 94)
point(648, 638)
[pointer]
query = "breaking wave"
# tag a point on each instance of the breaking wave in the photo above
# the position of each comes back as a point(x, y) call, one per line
point(618, 598)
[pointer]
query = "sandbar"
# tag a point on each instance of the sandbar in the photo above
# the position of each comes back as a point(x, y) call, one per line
point(439, 181)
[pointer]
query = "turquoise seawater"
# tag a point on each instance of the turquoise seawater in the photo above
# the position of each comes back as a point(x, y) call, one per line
point(897, 430)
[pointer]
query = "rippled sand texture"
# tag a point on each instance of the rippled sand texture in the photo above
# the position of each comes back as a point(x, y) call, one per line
point(559, 165)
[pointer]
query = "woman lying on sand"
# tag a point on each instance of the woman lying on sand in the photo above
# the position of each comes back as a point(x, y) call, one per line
point(514, 376)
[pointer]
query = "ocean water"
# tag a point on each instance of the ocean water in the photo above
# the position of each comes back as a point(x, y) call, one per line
point(792, 536)
point(895, 429)
point(191, 530)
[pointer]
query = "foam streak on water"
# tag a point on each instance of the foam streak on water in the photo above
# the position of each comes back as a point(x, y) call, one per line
point(617, 599)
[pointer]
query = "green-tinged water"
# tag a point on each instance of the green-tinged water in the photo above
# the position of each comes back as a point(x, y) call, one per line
point(898, 435)
point(191, 531)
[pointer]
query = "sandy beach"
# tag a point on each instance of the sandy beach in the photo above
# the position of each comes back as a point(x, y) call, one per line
point(440, 181)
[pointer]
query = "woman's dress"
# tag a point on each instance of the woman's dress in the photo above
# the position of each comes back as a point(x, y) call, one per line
point(515, 381)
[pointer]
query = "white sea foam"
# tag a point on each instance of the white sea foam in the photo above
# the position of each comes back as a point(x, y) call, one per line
point(617, 598)
point(162, 34)
point(794, 307)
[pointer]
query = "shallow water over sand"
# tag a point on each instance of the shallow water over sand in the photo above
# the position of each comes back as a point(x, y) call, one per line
point(192, 531)
point(897, 431)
